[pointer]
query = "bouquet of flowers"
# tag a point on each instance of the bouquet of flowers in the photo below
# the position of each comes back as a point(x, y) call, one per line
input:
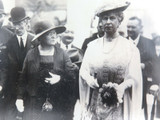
point(109, 94)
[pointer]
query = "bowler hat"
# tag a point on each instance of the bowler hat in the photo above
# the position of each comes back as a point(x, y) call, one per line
point(112, 6)
point(17, 14)
point(44, 26)
point(75, 55)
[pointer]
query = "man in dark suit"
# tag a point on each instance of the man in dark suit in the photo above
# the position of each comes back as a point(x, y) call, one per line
point(155, 88)
point(5, 35)
point(146, 49)
point(17, 48)
point(94, 36)
point(76, 56)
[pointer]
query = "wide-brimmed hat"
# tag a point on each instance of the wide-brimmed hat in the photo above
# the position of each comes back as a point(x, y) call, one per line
point(75, 55)
point(112, 6)
point(44, 26)
point(18, 14)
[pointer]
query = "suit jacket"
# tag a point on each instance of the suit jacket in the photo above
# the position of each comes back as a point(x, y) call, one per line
point(90, 39)
point(156, 69)
point(5, 35)
point(15, 61)
point(147, 53)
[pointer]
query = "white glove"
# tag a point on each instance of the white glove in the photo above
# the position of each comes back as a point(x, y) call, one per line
point(19, 105)
point(142, 65)
point(153, 89)
point(1, 88)
point(120, 92)
point(92, 82)
point(54, 79)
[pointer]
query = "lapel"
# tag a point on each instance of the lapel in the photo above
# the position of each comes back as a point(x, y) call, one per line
point(28, 42)
point(36, 58)
point(141, 45)
point(15, 47)
point(57, 58)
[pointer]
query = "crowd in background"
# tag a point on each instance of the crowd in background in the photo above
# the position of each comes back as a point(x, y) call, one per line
point(44, 76)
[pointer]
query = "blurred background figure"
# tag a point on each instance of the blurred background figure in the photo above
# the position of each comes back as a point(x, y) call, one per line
point(94, 36)
point(155, 87)
point(146, 49)
point(5, 35)
point(76, 55)
point(17, 48)
point(56, 21)
point(67, 40)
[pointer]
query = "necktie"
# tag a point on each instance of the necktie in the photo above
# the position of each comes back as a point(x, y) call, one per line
point(66, 46)
point(21, 44)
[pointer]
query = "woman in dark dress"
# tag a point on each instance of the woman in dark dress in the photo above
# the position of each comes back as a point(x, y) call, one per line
point(47, 73)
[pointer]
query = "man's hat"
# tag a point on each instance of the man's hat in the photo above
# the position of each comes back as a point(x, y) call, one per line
point(75, 55)
point(17, 14)
point(112, 6)
point(44, 26)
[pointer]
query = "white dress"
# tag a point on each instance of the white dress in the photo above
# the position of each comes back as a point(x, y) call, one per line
point(116, 62)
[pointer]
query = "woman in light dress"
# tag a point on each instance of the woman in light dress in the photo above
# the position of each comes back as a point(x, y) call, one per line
point(112, 61)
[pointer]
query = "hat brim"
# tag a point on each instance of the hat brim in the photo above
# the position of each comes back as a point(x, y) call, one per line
point(16, 21)
point(75, 55)
point(59, 29)
point(108, 10)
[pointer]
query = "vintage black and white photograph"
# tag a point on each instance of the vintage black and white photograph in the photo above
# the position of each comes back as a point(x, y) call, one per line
point(79, 60)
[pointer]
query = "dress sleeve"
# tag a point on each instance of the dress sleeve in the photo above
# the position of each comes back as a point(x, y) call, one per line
point(133, 80)
point(84, 75)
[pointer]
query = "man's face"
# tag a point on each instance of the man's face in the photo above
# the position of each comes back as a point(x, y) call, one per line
point(110, 23)
point(20, 27)
point(67, 37)
point(133, 29)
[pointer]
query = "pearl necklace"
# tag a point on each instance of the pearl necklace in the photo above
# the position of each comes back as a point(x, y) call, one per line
point(113, 43)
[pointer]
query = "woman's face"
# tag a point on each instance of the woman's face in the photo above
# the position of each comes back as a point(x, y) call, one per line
point(110, 23)
point(51, 38)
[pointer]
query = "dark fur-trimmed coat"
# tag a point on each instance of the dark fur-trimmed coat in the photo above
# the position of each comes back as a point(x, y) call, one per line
point(61, 66)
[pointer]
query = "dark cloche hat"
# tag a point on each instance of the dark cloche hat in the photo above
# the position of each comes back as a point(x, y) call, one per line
point(44, 26)
point(17, 14)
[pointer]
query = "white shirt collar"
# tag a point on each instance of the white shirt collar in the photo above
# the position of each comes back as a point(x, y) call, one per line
point(136, 41)
point(63, 46)
point(24, 38)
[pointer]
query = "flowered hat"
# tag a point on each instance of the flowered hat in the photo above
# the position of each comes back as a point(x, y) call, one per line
point(111, 6)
